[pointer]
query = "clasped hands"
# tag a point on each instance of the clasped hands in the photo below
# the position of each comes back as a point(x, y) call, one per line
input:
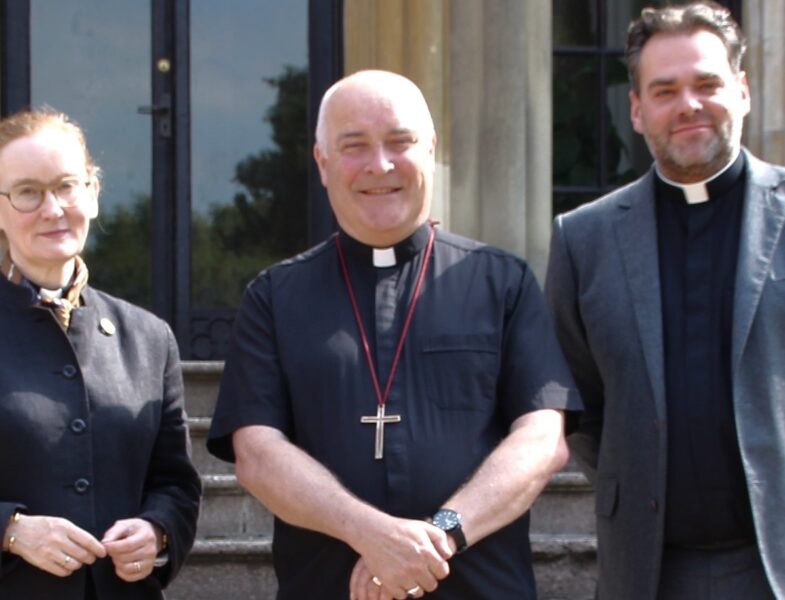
point(406, 562)
point(59, 547)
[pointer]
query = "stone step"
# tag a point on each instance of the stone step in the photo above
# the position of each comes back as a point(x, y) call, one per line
point(228, 511)
point(232, 569)
point(202, 379)
point(564, 566)
point(242, 569)
point(205, 463)
point(565, 506)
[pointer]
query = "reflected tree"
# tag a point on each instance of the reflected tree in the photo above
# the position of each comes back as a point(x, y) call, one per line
point(118, 252)
point(267, 221)
point(232, 242)
point(575, 132)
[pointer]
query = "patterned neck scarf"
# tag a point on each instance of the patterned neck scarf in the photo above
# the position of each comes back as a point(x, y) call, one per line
point(62, 304)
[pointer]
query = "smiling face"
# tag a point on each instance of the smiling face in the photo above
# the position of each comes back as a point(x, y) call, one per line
point(690, 106)
point(44, 243)
point(376, 157)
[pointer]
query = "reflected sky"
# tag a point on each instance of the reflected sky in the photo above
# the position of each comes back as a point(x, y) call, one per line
point(91, 59)
point(232, 53)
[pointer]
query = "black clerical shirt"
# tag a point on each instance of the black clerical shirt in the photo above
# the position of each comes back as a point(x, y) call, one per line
point(706, 497)
point(480, 353)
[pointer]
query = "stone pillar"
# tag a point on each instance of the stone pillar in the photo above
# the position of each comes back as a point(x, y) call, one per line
point(763, 23)
point(501, 94)
point(485, 69)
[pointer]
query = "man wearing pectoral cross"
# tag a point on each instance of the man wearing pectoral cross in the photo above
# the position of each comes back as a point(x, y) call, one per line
point(445, 339)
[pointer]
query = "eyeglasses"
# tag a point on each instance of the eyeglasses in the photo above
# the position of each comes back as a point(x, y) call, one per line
point(27, 197)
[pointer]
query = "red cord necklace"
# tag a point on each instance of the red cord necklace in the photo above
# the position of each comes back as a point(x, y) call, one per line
point(380, 418)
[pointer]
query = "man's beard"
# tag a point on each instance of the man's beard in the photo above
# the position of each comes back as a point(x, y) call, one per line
point(683, 164)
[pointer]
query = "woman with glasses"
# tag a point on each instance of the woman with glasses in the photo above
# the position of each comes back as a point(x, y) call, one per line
point(98, 496)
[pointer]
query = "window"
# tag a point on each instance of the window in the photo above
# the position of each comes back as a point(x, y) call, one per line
point(595, 147)
point(200, 115)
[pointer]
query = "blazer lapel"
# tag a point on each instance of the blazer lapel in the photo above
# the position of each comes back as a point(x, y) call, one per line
point(636, 230)
point(762, 221)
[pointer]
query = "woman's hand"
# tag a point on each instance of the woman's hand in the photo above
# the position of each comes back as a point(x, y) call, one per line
point(53, 544)
point(133, 545)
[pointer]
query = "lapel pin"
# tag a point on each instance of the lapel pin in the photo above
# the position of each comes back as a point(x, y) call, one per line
point(106, 326)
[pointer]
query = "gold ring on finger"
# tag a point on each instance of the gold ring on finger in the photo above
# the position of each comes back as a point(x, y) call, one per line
point(414, 591)
point(138, 566)
point(67, 559)
point(376, 581)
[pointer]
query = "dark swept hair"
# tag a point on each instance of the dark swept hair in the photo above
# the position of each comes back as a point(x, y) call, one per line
point(702, 15)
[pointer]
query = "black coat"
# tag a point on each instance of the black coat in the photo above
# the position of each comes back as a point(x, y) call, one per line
point(92, 429)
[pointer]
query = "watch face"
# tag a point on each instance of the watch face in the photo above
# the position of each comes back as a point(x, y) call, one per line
point(446, 519)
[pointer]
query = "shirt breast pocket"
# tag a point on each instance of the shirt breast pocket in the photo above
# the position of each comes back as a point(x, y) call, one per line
point(461, 370)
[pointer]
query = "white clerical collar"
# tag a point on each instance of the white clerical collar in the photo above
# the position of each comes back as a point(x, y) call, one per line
point(50, 294)
point(392, 256)
point(384, 257)
point(695, 193)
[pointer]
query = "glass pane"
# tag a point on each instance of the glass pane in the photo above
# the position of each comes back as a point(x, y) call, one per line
point(90, 59)
point(565, 201)
point(621, 13)
point(249, 142)
point(575, 132)
point(619, 134)
point(575, 23)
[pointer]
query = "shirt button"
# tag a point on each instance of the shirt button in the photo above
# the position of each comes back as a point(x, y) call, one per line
point(657, 424)
point(81, 485)
point(69, 371)
point(653, 506)
point(78, 426)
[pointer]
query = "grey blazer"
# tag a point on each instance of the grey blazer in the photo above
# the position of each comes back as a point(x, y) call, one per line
point(603, 288)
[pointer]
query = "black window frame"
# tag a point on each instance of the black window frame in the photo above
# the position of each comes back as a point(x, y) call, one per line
point(604, 53)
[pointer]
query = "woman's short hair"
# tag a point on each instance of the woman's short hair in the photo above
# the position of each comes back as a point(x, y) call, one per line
point(28, 122)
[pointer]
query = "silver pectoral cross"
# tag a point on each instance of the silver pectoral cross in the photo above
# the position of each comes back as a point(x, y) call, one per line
point(380, 419)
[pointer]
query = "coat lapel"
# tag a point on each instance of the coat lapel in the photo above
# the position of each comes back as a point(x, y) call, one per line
point(636, 230)
point(762, 221)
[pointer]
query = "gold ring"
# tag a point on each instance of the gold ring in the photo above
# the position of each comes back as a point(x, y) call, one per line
point(67, 559)
point(138, 567)
point(414, 591)
point(376, 581)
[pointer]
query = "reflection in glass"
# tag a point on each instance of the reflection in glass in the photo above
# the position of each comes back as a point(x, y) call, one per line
point(621, 13)
point(568, 200)
point(595, 147)
point(249, 142)
point(575, 23)
point(104, 46)
point(575, 135)
point(577, 143)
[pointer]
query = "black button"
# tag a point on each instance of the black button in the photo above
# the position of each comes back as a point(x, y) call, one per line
point(78, 425)
point(653, 506)
point(81, 486)
point(69, 371)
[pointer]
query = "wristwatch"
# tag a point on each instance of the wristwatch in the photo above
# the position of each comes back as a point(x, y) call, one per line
point(449, 521)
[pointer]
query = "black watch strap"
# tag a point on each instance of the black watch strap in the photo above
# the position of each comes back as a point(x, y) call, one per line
point(456, 533)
